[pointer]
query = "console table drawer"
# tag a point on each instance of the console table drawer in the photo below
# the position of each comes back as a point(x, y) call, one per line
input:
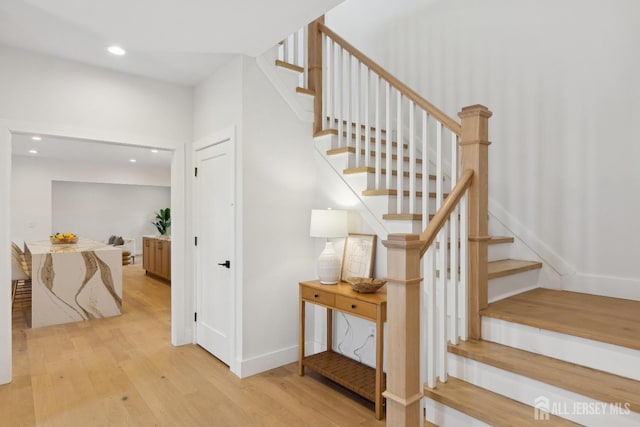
point(318, 296)
point(357, 307)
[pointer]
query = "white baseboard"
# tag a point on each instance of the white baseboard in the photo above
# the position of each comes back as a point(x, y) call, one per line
point(615, 287)
point(267, 361)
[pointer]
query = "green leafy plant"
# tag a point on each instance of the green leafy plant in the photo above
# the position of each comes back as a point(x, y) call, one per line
point(163, 220)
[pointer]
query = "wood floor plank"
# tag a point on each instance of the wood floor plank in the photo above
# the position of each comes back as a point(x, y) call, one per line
point(610, 320)
point(585, 381)
point(123, 371)
point(484, 405)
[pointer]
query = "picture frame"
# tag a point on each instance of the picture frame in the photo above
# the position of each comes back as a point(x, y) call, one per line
point(359, 255)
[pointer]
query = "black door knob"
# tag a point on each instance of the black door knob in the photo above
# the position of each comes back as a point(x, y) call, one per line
point(227, 264)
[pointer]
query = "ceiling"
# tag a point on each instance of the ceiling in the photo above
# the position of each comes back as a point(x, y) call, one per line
point(179, 41)
point(78, 150)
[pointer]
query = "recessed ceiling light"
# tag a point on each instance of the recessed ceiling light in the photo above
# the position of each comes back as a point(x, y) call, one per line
point(33, 151)
point(132, 160)
point(154, 151)
point(36, 138)
point(116, 50)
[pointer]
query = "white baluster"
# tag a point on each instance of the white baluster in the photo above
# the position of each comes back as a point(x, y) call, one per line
point(425, 170)
point(429, 267)
point(305, 58)
point(400, 154)
point(285, 50)
point(453, 253)
point(389, 128)
point(464, 272)
point(296, 46)
point(328, 119)
point(348, 99)
point(412, 159)
point(367, 117)
point(358, 120)
point(439, 166)
point(339, 95)
point(442, 302)
point(378, 163)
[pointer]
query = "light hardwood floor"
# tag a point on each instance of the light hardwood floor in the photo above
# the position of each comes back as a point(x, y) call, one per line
point(123, 371)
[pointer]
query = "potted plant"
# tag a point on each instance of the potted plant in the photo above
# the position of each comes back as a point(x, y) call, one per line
point(163, 221)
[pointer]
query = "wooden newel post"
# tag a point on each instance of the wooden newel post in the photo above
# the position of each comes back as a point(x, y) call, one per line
point(315, 70)
point(404, 391)
point(474, 144)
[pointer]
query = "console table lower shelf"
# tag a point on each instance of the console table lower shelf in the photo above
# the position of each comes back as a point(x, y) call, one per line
point(349, 373)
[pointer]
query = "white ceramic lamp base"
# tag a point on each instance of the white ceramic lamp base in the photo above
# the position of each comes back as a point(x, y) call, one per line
point(329, 265)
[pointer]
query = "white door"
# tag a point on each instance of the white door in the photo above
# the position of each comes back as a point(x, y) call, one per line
point(214, 249)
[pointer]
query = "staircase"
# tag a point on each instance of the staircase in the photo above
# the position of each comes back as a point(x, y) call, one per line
point(540, 356)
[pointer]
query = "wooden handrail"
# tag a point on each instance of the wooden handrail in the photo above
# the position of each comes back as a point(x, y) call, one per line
point(450, 123)
point(443, 214)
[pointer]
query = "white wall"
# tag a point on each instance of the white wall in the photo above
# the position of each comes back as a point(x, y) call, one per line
point(43, 95)
point(34, 210)
point(97, 211)
point(560, 80)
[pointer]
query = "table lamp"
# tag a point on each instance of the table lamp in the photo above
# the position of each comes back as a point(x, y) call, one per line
point(328, 224)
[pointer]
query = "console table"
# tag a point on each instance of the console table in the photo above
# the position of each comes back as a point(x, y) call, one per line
point(357, 377)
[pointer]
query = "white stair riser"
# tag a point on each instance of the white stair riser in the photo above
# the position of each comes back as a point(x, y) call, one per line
point(371, 181)
point(594, 354)
point(527, 390)
point(289, 77)
point(442, 415)
point(504, 287)
point(306, 101)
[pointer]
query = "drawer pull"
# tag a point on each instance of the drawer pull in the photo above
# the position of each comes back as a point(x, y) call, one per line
point(316, 295)
point(353, 306)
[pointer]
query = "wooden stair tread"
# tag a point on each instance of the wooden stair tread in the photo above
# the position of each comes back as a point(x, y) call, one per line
point(352, 150)
point(394, 192)
point(332, 131)
point(345, 123)
point(585, 381)
point(605, 319)
point(404, 217)
point(289, 66)
point(507, 267)
point(305, 91)
point(488, 406)
point(371, 169)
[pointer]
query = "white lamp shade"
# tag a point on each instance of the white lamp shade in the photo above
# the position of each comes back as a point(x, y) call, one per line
point(328, 223)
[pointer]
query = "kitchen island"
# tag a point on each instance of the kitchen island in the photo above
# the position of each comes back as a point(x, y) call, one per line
point(74, 282)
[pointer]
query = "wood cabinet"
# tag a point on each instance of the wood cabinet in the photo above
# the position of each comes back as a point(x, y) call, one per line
point(367, 382)
point(156, 257)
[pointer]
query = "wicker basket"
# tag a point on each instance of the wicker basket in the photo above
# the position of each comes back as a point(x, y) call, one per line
point(365, 285)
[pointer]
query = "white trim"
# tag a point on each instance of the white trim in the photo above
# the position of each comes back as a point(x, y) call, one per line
point(610, 286)
point(267, 361)
point(179, 330)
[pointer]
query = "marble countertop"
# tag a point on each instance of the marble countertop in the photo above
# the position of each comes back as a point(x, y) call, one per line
point(46, 247)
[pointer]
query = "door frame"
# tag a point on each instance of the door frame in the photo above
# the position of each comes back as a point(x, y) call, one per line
point(181, 329)
point(226, 135)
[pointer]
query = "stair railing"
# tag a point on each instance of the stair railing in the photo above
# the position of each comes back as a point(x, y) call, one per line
point(293, 50)
point(371, 111)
